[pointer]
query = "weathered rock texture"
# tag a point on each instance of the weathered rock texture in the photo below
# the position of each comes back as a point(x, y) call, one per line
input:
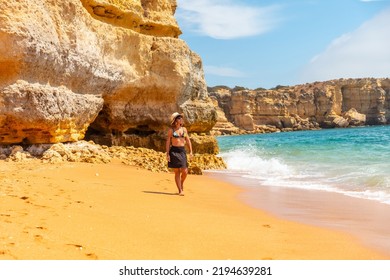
point(336, 103)
point(149, 17)
point(126, 53)
point(35, 113)
point(89, 152)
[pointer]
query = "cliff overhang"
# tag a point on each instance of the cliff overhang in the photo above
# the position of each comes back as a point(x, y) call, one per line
point(115, 70)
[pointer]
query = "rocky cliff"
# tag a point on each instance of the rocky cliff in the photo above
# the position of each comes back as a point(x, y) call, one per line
point(336, 103)
point(113, 70)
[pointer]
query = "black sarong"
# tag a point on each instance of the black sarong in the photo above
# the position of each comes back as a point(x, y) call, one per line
point(178, 157)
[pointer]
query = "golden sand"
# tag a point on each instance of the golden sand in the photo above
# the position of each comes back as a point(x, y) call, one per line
point(114, 211)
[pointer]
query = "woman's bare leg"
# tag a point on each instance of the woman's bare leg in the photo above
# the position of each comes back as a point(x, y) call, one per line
point(184, 172)
point(178, 180)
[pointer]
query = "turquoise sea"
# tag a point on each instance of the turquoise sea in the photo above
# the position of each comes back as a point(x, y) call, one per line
point(352, 161)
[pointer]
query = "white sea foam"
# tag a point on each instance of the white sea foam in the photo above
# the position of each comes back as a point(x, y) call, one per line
point(380, 196)
point(274, 172)
point(354, 162)
point(250, 162)
point(308, 183)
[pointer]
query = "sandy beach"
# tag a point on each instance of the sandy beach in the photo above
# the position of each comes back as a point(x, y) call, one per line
point(115, 211)
point(363, 218)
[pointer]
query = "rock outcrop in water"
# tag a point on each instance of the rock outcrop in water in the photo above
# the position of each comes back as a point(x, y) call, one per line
point(112, 69)
point(336, 103)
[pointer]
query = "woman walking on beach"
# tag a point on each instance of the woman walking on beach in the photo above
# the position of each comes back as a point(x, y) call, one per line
point(175, 148)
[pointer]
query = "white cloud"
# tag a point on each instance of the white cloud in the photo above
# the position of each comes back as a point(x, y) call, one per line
point(222, 71)
point(226, 19)
point(364, 52)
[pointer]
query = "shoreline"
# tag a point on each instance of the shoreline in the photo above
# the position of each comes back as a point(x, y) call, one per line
point(77, 211)
point(366, 219)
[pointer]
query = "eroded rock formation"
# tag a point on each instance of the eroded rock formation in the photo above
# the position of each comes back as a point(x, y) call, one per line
point(83, 151)
point(149, 17)
point(36, 113)
point(336, 103)
point(124, 53)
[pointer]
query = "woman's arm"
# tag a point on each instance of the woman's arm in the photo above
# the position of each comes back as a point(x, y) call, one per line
point(188, 140)
point(168, 143)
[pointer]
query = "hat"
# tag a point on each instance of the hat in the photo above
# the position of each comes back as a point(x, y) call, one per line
point(174, 116)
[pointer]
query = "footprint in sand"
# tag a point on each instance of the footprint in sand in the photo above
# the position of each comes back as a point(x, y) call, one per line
point(80, 247)
point(8, 254)
point(38, 238)
point(91, 256)
point(42, 228)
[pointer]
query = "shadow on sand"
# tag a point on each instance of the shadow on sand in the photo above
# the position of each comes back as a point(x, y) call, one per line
point(164, 193)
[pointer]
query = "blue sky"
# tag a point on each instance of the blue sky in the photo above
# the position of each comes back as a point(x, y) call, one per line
point(264, 43)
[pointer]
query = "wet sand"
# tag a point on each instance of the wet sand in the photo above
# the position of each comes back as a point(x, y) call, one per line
point(114, 211)
point(365, 219)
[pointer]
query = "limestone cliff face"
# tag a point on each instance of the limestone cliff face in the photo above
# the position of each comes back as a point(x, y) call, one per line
point(149, 17)
point(35, 113)
point(336, 103)
point(121, 57)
